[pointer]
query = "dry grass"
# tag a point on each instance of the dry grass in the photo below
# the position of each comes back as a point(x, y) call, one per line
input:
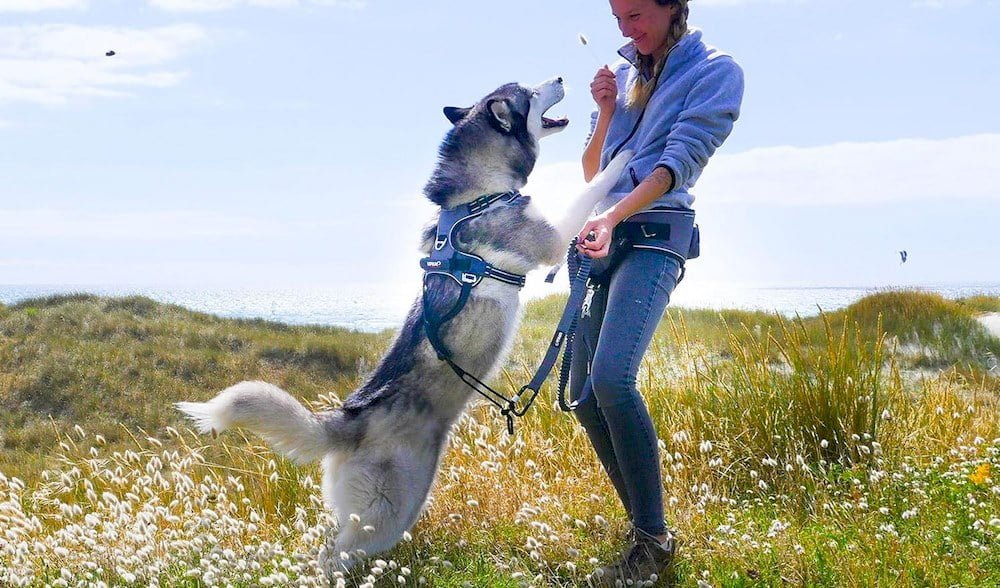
point(794, 453)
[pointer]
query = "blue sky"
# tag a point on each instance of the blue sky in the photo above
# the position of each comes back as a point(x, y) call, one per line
point(286, 143)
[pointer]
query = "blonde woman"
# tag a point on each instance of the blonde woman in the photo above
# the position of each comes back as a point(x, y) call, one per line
point(672, 100)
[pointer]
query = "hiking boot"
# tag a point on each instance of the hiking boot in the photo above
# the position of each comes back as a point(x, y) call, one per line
point(644, 563)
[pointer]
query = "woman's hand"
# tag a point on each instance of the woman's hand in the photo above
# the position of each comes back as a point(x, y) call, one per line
point(604, 90)
point(595, 237)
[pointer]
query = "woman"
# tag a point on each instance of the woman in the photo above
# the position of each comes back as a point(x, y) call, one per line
point(672, 100)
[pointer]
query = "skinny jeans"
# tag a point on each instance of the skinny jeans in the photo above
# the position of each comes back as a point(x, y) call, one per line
point(617, 323)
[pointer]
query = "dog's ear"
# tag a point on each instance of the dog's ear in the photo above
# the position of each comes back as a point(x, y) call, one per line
point(455, 113)
point(500, 115)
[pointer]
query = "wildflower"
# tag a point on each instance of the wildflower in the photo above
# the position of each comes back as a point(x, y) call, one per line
point(981, 474)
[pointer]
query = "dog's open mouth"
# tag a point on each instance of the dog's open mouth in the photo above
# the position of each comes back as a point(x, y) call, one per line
point(552, 123)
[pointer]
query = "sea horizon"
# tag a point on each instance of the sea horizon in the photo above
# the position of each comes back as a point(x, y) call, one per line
point(376, 307)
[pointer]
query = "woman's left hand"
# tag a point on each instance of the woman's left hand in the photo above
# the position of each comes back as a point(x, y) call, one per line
point(595, 237)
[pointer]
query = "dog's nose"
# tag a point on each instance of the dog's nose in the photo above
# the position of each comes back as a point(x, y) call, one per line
point(559, 80)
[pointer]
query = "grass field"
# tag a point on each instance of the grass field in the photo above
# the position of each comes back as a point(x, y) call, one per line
point(857, 448)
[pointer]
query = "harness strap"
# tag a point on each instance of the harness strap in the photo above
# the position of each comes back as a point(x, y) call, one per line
point(432, 323)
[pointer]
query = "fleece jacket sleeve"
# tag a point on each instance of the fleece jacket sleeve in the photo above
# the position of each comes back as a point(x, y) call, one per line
point(711, 108)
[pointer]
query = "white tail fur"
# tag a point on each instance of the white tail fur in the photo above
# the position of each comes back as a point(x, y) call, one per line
point(269, 412)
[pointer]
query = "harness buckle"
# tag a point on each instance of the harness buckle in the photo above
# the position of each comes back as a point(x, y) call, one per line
point(468, 278)
point(440, 242)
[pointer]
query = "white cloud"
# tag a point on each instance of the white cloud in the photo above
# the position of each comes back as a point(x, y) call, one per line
point(219, 5)
point(140, 226)
point(858, 173)
point(903, 170)
point(52, 64)
point(40, 5)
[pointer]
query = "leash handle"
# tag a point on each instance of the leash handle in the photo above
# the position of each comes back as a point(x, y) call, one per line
point(579, 267)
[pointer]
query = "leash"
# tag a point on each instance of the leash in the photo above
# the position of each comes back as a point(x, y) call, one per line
point(578, 266)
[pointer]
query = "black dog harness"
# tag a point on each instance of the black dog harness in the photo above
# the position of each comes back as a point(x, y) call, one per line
point(468, 271)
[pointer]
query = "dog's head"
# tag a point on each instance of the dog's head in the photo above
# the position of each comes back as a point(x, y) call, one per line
point(516, 111)
point(494, 143)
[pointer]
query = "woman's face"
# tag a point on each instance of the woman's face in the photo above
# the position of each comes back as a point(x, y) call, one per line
point(645, 22)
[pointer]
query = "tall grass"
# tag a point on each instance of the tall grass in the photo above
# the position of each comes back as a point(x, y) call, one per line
point(794, 452)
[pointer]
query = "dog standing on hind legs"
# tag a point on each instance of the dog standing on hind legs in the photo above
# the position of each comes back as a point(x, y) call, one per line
point(381, 449)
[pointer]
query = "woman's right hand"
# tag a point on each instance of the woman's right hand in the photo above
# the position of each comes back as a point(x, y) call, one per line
point(604, 90)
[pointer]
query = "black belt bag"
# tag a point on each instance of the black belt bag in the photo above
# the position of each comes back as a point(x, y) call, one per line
point(670, 231)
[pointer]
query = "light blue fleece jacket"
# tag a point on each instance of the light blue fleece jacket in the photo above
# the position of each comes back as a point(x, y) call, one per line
point(691, 112)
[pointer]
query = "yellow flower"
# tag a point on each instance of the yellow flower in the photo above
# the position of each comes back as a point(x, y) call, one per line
point(979, 476)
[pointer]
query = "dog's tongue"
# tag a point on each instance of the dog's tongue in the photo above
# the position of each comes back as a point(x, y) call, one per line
point(554, 122)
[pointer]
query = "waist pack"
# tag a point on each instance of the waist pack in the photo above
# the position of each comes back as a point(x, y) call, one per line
point(670, 231)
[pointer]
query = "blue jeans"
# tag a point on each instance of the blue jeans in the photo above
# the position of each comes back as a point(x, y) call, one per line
point(614, 331)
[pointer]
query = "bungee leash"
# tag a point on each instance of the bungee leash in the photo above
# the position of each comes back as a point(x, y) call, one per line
point(578, 266)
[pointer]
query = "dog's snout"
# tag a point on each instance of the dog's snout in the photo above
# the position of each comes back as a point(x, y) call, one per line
point(559, 80)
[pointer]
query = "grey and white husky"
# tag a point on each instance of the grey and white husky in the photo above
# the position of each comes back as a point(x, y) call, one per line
point(381, 449)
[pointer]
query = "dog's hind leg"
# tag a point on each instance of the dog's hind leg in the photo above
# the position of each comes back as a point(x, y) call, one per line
point(377, 500)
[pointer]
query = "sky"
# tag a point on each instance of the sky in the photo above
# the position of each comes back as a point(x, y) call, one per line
point(287, 142)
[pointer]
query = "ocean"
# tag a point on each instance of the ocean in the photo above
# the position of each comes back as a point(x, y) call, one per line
point(372, 308)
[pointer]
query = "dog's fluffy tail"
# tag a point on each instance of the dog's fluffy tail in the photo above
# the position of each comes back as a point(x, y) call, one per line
point(275, 415)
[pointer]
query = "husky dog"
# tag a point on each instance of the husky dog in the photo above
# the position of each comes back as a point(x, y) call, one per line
point(381, 449)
